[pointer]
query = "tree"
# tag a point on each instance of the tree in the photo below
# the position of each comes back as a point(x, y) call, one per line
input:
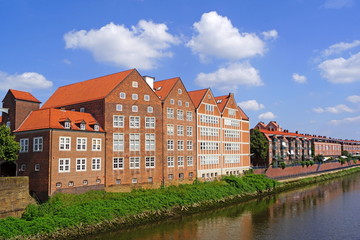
point(259, 146)
point(9, 148)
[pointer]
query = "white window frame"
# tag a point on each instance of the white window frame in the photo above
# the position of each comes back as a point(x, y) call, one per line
point(96, 144)
point(134, 96)
point(64, 165)
point(134, 162)
point(134, 141)
point(118, 142)
point(38, 144)
point(96, 164)
point(37, 167)
point(67, 124)
point(180, 161)
point(150, 122)
point(189, 116)
point(134, 108)
point(119, 107)
point(190, 161)
point(180, 145)
point(189, 145)
point(150, 142)
point(134, 122)
point(150, 162)
point(180, 114)
point(80, 164)
point(118, 121)
point(170, 113)
point(180, 130)
point(170, 161)
point(135, 84)
point(179, 102)
point(122, 95)
point(150, 109)
point(189, 131)
point(118, 163)
point(64, 143)
point(24, 145)
point(170, 129)
point(170, 145)
point(146, 97)
point(81, 145)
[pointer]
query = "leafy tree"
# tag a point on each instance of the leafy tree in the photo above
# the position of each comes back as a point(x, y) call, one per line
point(9, 148)
point(345, 153)
point(259, 146)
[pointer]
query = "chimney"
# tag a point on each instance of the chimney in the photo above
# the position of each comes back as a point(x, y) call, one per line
point(150, 81)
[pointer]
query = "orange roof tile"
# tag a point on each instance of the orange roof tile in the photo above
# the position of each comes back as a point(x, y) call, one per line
point(243, 114)
point(221, 101)
point(85, 91)
point(52, 118)
point(21, 95)
point(197, 96)
point(0, 119)
point(283, 133)
point(163, 88)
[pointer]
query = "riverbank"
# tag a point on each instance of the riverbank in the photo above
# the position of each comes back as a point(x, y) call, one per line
point(143, 206)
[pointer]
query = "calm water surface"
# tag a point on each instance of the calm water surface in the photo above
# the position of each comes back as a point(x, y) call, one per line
point(328, 210)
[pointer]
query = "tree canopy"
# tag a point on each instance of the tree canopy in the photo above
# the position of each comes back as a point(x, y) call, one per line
point(9, 148)
point(259, 146)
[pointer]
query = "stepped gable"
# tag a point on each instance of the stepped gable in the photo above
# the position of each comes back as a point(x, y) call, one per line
point(197, 95)
point(25, 96)
point(54, 118)
point(163, 88)
point(86, 91)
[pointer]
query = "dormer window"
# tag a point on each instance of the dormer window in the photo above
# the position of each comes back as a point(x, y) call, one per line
point(158, 89)
point(82, 109)
point(67, 125)
point(96, 127)
point(82, 126)
point(219, 101)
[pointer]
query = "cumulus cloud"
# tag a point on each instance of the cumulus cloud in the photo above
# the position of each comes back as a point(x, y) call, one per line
point(340, 47)
point(341, 70)
point(336, 109)
point(230, 77)
point(299, 78)
point(216, 36)
point(345, 121)
point(25, 81)
point(141, 46)
point(267, 115)
point(272, 34)
point(337, 4)
point(251, 105)
point(353, 98)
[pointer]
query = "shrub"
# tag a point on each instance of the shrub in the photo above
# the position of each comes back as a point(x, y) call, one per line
point(282, 165)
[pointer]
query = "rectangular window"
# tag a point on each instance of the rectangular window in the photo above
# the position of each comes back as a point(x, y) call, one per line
point(188, 116)
point(134, 142)
point(134, 162)
point(170, 161)
point(96, 164)
point(150, 162)
point(210, 132)
point(189, 131)
point(150, 109)
point(119, 107)
point(232, 159)
point(118, 163)
point(134, 96)
point(146, 98)
point(38, 144)
point(150, 142)
point(134, 108)
point(180, 130)
point(135, 84)
point(64, 164)
point(122, 95)
point(134, 122)
point(209, 146)
point(170, 113)
point(170, 129)
point(24, 145)
point(180, 161)
point(209, 108)
point(170, 144)
point(149, 122)
point(232, 112)
point(190, 161)
point(80, 164)
point(171, 176)
point(118, 142)
point(64, 143)
point(180, 145)
point(189, 145)
point(209, 159)
point(37, 167)
point(180, 114)
point(81, 144)
point(209, 119)
point(118, 121)
point(232, 122)
point(96, 144)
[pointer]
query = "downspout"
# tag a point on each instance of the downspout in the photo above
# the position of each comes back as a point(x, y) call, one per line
point(162, 144)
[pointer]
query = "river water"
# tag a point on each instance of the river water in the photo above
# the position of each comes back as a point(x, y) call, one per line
point(329, 210)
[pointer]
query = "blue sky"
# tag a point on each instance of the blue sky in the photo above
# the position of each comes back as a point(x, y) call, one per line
point(293, 61)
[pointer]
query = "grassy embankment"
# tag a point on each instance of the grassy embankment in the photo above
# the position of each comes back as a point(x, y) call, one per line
point(68, 215)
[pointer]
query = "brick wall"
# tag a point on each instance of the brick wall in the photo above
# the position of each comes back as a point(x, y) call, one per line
point(14, 196)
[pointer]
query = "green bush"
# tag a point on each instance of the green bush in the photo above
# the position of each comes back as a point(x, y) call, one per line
point(282, 165)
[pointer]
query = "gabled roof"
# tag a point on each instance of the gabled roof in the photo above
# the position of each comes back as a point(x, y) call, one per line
point(197, 96)
point(52, 118)
point(283, 133)
point(221, 101)
point(243, 114)
point(85, 91)
point(163, 88)
point(21, 95)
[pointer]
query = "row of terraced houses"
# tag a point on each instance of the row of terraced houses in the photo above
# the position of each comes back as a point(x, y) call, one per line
point(290, 147)
point(125, 130)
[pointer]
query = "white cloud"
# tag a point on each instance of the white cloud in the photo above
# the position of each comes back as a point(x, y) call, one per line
point(251, 105)
point(139, 47)
point(346, 121)
point(336, 109)
point(25, 81)
point(340, 47)
point(216, 36)
point(230, 77)
point(341, 70)
point(66, 61)
point(353, 98)
point(267, 115)
point(337, 4)
point(299, 78)
point(272, 34)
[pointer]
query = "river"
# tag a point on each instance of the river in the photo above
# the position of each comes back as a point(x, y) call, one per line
point(329, 210)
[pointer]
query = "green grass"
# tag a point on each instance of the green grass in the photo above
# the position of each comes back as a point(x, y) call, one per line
point(96, 207)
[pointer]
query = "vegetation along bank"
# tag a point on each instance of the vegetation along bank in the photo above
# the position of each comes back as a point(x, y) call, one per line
point(67, 216)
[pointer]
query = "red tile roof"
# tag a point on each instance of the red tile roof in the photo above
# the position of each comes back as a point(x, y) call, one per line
point(163, 88)
point(222, 101)
point(283, 133)
point(85, 91)
point(52, 118)
point(197, 96)
point(21, 95)
point(0, 119)
point(243, 114)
